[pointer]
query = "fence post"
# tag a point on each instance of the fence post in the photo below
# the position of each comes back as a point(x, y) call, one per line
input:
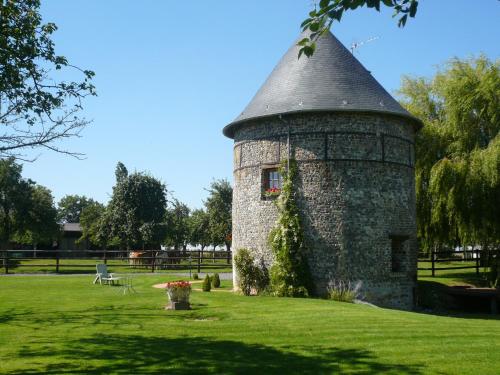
point(433, 258)
point(477, 261)
point(105, 260)
point(57, 261)
point(6, 261)
point(153, 261)
point(199, 261)
point(228, 256)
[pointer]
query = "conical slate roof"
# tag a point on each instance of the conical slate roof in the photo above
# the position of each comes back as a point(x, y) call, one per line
point(331, 80)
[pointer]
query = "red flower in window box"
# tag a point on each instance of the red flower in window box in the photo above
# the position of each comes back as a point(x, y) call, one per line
point(272, 192)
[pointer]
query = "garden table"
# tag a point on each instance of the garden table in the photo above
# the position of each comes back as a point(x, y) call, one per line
point(111, 280)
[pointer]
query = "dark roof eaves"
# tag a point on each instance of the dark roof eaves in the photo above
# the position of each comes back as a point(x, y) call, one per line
point(228, 130)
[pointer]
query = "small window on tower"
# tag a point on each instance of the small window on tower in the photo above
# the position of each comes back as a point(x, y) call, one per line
point(398, 253)
point(271, 183)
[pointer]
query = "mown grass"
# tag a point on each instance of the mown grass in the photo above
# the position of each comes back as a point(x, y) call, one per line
point(453, 277)
point(64, 324)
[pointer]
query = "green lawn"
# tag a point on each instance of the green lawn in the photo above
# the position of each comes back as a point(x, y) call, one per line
point(64, 324)
point(453, 276)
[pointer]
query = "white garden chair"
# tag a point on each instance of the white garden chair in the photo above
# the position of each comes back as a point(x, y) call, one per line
point(102, 274)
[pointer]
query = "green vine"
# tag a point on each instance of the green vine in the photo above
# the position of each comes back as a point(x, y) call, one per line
point(290, 272)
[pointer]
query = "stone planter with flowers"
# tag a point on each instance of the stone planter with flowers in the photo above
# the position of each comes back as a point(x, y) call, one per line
point(178, 294)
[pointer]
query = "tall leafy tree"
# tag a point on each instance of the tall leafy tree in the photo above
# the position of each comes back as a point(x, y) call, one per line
point(199, 229)
point(91, 218)
point(37, 106)
point(219, 206)
point(177, 219)
point(41, 225)
point(458, 153)
point(136, 211)
point(121, 172)
point(71, 207)
point(15, 200)
point(27, 211)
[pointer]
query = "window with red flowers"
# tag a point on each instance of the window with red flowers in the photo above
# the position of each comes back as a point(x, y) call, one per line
point(271, 182)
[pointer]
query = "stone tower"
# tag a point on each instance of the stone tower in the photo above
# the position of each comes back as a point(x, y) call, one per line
point(354, 147)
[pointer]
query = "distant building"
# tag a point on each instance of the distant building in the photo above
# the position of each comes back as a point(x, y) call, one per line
point(354, 147)
point(71, 232)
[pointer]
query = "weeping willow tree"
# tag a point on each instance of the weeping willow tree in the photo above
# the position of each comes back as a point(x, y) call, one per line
point(458, 153)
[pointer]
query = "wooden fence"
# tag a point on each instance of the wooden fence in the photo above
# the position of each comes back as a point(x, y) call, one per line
point(478, 257)
point(150, 260)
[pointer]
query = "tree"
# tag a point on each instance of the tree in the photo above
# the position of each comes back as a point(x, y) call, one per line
point(27, 212)
point(41, 224)
point(121, 172)
point(177, 219)
point(219, 206)
point(15, 200)
point(91, 218)
point(199, 229)
point(137, 200)
point(458, 153)
point(37, 109)
point(321, 19)
point(71, 207)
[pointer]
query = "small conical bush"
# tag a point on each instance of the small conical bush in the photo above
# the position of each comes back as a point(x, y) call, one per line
point(216, 280)
point(206, 284)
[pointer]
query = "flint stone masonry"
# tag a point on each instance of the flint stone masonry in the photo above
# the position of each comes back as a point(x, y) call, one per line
point(355, 188)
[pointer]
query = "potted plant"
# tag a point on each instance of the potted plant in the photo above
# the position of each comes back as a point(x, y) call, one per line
point(178, 294)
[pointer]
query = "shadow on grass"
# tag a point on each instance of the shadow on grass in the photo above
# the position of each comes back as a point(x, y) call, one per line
point(111, 317)
point(160, 355)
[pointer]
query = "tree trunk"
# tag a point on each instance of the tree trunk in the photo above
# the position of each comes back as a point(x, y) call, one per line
point(228, 250)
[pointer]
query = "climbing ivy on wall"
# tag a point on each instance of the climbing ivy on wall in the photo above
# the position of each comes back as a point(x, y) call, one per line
point(290, 273)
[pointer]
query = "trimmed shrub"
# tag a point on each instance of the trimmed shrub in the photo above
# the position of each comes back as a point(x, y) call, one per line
point(216, 280)
point(206, 284)
point(250, 276)
point(196, 277)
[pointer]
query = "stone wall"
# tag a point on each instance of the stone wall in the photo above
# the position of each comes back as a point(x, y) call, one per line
point(355, 191)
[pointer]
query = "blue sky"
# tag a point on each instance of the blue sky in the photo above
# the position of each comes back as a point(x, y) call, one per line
point(171, 74)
